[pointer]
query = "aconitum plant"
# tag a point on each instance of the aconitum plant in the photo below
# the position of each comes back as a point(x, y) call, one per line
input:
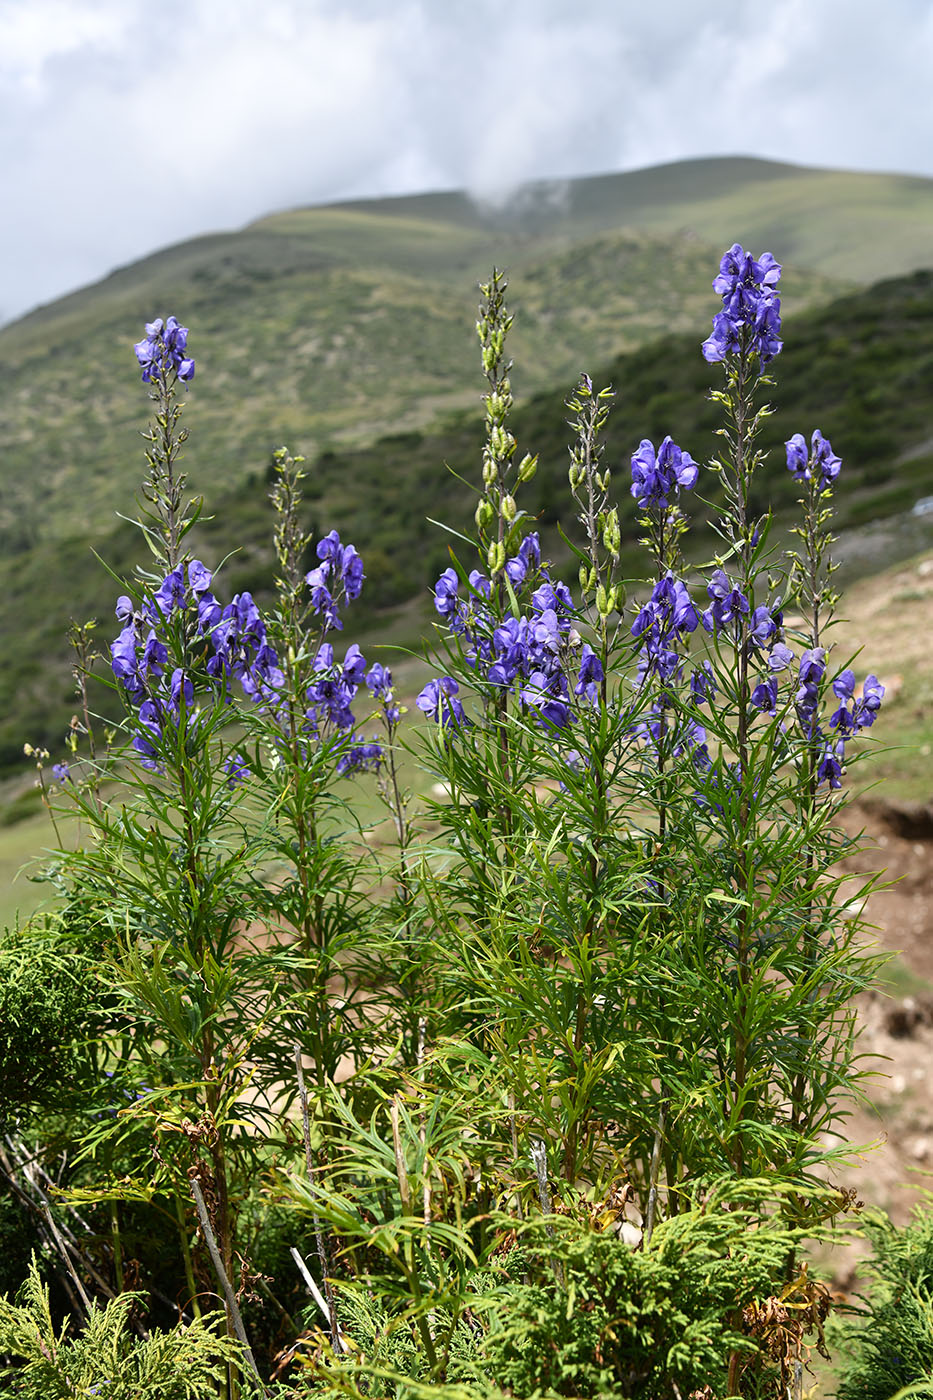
point(591, 1001)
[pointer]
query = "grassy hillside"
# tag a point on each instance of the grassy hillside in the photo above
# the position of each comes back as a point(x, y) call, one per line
point(329, 327)
point(859, 369)
point(850, 224)
point(347, 332)
point(314, 351)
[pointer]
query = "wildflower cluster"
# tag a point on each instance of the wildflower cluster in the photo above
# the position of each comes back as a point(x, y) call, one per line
point(819, 462)
point(660, 627)
point(183, 616)
point(162, 352)
point(855, 712)
point(339, 576)
point(750, 319)
point(219, 645)
point(539, 653)
point(623, 926)
point(658, 475)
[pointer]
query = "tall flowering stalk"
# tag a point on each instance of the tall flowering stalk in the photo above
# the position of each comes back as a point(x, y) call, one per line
point(535, 908)
point(163, 357)
point(661, 628)
point(165, 868)
point(223, 704)
point(746, 337)
point(304, 736)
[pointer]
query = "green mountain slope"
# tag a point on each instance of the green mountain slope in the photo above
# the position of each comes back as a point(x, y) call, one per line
point(859, 369)
point(330, 326)
point(846, 224)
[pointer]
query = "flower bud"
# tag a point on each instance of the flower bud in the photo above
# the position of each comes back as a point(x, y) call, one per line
point(527, 467)
point(603, 606)
point(484, 514)
point(508, 509)
point(612, 535)
point(495, 558)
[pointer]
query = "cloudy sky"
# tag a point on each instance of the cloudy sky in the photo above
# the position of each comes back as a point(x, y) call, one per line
point(126, 125)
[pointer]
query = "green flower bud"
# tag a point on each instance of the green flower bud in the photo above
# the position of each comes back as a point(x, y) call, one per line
point(612, 535)
point(495, 558)
point(508, 509)
point(527, 467)
point(484, 514)
point(603, 605)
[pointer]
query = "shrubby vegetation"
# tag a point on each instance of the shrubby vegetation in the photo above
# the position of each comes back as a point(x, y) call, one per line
point(533, 1099)
point(891, 1346)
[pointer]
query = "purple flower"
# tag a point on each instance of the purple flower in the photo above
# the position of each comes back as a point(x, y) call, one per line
point(340, 573)
point(811, 672)
point(820, 460)
point(764, 696)
point(354, 666)
point(780, 657)
point(438, 701)
point(702, 683)
point(812, 666)
point(762, 627)
point(872, 696)
point(798, 458)
point(656, 476)
point(547, 694)
point(848, 721)
point(589, 675)
point(751, 308)
point(379, 681)
point(445, 593)
point(844, 685)
point(236, 770)
point(554, 596)
point(512, 644)
point(525, 562)
point(162, 352)
point(61, 774)
point(360, 757)
point(199, 577)
point(182, 690)
point(728, 602)
point(171, 592)
point(829, 769)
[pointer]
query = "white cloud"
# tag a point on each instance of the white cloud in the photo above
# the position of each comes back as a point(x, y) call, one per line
point(126, 125)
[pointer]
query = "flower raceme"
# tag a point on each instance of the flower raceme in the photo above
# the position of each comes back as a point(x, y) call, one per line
point(659, 626)
point(162, 353)
point(658, 475)
point(750, 318)
point(338, 577)
point(231, 643)
point(819, 462)
point(538, 653)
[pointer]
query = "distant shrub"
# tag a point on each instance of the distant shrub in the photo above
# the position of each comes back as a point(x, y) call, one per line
point(892, 1346)
point(44, 1008)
